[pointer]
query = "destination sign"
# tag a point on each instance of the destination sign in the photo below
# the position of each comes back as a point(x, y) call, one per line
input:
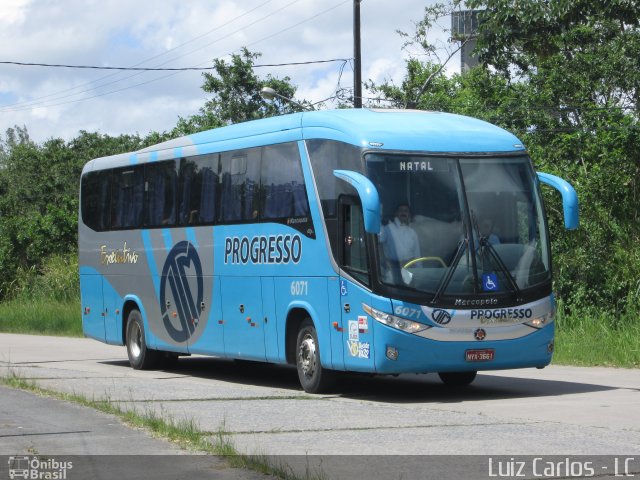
point(416, 164)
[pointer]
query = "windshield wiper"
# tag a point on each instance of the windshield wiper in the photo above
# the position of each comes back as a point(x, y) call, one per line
point(444, 283)
point(484, 243)
point(462, 247)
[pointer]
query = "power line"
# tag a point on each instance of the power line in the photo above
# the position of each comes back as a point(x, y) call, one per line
point(29, 107)
point(21, 106)
point(164, 69)
point(36, 102)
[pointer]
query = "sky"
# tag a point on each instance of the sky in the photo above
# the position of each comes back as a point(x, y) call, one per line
point(58, 103)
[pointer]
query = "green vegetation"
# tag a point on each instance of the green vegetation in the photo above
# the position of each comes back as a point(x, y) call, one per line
point(596, 339)
point(44, 301)
point(42, 316)
point(184, 432)
point(564, 76)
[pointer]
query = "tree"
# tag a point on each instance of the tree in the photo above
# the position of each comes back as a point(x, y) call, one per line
point(576, 67)
point(39, 183)
point(39, 196)
point(235, 89)
point(564, 76)
point(426, 65)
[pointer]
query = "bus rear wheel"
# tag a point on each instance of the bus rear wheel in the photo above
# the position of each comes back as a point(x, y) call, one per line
point(313, 377)
point(140, 356)
point(457, 379)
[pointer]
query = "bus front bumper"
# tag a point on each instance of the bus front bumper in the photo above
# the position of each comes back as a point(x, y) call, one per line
point(400, 352)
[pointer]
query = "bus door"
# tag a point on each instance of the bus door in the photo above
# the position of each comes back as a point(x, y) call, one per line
point(111, 305)
point(357, 334)
point(93, 314)
point(243, 319)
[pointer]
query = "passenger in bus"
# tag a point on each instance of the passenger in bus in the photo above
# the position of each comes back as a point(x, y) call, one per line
point(399, 242)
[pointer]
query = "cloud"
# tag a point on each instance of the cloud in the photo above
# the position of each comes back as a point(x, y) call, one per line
point(13, 11)
point(61, 102)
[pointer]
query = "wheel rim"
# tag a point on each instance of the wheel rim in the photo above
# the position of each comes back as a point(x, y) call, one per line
point(307, 355)
point(135, 340)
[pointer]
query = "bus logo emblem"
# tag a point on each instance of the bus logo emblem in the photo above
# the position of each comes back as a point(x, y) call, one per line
point(480, 334)
point(441, 317)
point(181, 273)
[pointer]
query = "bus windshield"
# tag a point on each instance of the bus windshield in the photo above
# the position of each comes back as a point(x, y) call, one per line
point(458, 226)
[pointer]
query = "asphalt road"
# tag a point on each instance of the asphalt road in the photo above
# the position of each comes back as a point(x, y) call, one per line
point(368, 423)
point(93, 444)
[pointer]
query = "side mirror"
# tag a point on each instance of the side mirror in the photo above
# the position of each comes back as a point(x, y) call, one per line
point(569, 198)
point(368, 196)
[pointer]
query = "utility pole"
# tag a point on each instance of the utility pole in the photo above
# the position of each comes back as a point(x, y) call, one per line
point(357, 65)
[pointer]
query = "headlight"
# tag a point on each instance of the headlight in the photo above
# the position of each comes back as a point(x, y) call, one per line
point(398, 323)
point(542, 320)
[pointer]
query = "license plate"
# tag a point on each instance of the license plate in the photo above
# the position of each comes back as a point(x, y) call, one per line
point(479, 355)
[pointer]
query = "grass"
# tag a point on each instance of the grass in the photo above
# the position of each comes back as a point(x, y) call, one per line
point(41, 316)
point(184, 432)
point(594, 340)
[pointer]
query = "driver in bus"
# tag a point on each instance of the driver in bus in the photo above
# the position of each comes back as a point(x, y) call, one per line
point(485, 230)
point(399, 242)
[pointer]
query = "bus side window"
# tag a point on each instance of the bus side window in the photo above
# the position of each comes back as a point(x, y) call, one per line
point(240, 182)
point(96, 199)
point(353, 247)
point(327, 156)
point(127, 197)
point(198, 190)
point(283, 186)
point(208, 190)
point(160, 194)
point(234, 169)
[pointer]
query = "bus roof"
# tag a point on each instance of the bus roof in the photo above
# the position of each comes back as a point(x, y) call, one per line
point(417, 130)
point(390, 129)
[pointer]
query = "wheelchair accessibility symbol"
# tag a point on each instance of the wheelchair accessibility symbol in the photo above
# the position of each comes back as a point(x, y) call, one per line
point(489, 282)
point(343, 288)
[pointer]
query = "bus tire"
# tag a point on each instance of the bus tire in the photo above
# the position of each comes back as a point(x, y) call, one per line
point(457, 379)
point(313, 377)
point(140, 356)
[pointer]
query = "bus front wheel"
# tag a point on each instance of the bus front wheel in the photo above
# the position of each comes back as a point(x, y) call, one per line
point(140, 356)
point(313, 377)
point(457, 379)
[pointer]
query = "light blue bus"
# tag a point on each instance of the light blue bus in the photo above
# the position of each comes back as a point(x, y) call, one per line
point(360, 240)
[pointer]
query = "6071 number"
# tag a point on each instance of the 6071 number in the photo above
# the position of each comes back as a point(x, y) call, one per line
point(300, 287)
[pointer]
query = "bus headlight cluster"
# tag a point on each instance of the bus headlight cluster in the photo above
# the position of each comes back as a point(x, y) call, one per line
point(542, 320)
point(398, 323)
